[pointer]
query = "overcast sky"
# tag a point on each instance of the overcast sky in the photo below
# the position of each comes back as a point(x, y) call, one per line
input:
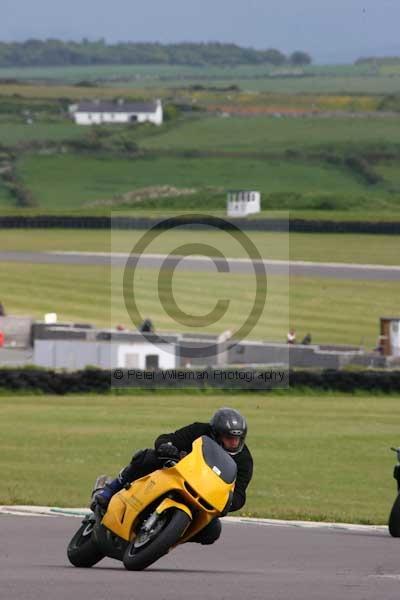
point(332, 31)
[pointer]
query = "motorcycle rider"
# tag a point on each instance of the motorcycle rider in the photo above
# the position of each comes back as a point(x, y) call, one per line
point(227, 427)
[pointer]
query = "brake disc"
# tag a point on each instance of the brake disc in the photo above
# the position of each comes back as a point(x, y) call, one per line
point(149, 529)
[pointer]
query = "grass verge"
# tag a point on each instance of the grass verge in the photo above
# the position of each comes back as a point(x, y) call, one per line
point(323, 457)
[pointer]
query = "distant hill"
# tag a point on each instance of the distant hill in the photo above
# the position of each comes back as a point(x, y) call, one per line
point(378, 60)
point(52, 52)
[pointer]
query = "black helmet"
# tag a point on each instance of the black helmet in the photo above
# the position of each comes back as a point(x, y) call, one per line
point(229, 422)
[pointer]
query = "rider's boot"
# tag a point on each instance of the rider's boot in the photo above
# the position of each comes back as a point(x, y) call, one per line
point(103, 496)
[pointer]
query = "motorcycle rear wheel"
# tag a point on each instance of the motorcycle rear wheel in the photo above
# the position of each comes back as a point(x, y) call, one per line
point(394, 518)
point(82, 550)
point(136, 559)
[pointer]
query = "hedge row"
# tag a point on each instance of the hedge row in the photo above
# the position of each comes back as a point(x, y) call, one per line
point(102, 381)
point(50, 382)
point(294, 225)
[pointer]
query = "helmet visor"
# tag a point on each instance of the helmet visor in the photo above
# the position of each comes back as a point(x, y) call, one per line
point(231, 443)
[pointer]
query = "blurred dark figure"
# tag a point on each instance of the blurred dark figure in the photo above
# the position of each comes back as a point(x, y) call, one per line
point(306, 339)
point(2, 311)
point(147, 326)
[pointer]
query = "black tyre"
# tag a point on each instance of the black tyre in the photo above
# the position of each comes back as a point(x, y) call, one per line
point(394, 518)
point(82, 550)
point(138, 558)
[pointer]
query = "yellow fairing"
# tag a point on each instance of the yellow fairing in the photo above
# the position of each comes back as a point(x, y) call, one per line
point(209, 486)
point(192, 480)
point(168, 503)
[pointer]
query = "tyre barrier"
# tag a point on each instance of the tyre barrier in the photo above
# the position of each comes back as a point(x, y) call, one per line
point(144, 223)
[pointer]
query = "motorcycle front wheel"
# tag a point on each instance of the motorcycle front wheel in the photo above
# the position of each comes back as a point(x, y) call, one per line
point(82, 550)
point(394, 518)
point(139, 556)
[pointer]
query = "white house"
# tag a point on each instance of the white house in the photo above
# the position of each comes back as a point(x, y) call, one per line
point(99, 111)
point(241, 203)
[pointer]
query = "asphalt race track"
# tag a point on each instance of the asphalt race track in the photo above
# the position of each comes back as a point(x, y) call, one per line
point(234, 265)
point(251, 561)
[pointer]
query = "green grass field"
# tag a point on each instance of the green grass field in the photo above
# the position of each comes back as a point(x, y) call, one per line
point(5, 198)
point(248, 153)
point(334, 311)
point(322, 457)
point(269, 134)
point(17, 133)
point(391, 172)
point(319, 79)
point(381, 84)
point(373, 249)
point(66, 182)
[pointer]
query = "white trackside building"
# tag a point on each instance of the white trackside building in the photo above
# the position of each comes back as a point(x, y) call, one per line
point(241, 203)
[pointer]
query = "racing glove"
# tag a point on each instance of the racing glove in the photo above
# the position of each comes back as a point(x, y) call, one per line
point(167, 451)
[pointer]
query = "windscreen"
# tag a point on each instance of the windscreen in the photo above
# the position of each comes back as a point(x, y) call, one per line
point(219, 460)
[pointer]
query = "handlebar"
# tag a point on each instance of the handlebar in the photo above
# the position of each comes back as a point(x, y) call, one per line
point(169, 462)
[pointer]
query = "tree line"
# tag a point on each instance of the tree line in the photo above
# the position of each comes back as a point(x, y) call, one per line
point(53, 52)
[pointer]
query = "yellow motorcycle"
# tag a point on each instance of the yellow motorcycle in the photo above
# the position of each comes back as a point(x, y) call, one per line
point(159, 511)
